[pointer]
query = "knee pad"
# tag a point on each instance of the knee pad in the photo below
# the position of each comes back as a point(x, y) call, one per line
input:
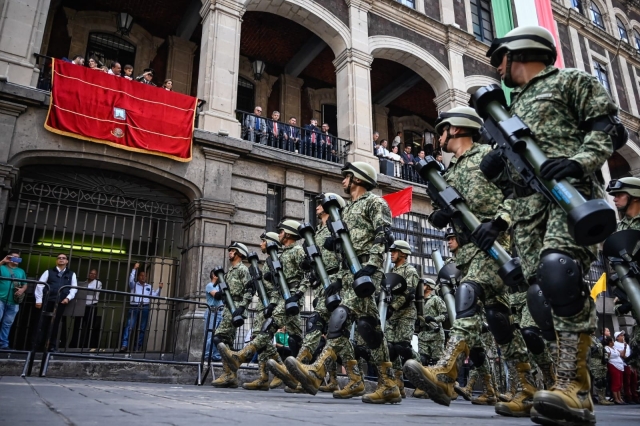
point(338, 322)
point(499, 320)
point(393, 355)
point(361, 352)
point(403, 349)
point(295, 343)
point(540, 311)
point(216, 340)
point(314, 322)
point(478, 356)
point(560, 279)
point(368, 329)
point(267, 324)
point(533, 339)
point(467, 296)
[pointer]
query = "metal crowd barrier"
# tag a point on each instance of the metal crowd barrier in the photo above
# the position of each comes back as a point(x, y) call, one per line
point(160, 332)
point(307, 142)
point(23, 338)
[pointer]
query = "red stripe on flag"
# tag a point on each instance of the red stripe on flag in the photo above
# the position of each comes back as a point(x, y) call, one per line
point(98, 107)
point(400, 202)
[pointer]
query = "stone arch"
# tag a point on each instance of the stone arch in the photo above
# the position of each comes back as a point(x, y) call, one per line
point(102, 160)
point(619, 14)
point(318, 97)
point(413, 57)
point(474, 82)
point(605, 15)
point(631, 153)
point(412, 123)
point(80, 24)
point(311, 15)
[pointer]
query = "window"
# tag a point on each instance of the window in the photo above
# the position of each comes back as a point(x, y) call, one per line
point(577, 4)
point(423, 239)
point(109, 48)
point(274, 207)
point(481, 17)
point(246, 97)
point(596, 16)
point(636, 35)
point(408, 3)
point(602, 75)
point(310, 209)
point(622, 30)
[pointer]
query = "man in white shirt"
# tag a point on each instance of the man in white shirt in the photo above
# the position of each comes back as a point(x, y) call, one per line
point(139, 309)
point(115, 69)
point(59, 294)
point(383, 151)
point(91, 308)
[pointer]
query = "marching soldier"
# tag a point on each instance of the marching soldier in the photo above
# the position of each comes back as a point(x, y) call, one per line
point(480, 285)
point(368, 220)
point(401, 313)
point(237, 278)
point(291, 258)
point(574, 121)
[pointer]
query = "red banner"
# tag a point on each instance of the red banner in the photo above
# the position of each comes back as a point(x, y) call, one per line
point(400, 202)
point(98, 107)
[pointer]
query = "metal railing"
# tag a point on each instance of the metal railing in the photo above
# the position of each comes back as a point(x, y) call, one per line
point(300, 140)
point(400, 170)
point(43, 63)
point(160, 331)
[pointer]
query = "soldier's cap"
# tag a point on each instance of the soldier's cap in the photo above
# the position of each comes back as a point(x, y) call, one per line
point(630, 185)
point(240, 248)
point(429, 282)
point(361, 170)
point(290, 227)
point(341, 200)
point(270, 236)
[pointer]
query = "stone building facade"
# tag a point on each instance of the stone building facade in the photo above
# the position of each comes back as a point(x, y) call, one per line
point(361, 65)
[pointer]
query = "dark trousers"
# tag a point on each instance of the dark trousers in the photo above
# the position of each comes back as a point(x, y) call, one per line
point(52, 324)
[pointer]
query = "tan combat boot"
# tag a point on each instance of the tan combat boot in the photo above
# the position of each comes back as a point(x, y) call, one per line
point(488, 396)
point(332, 385)
point(235, 359)
point(311, 376)
point(522, 401)
point(548, 375)
point(602, 398)
point(276, 382)
point(400, 382)
point(512, 383)
point(355, 386)
point(467, 391)
point(569, 400)
point(387, 391)
point(419, 393)
point(438, 380)
point(297, 389)
point(228, 379)
point(278, 369)
point(262, 382)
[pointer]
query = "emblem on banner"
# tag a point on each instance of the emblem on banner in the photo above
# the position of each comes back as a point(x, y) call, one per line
point(119, 114)
point(117, 132)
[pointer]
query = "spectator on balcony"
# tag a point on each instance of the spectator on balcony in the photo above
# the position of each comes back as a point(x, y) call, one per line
point(327, 141)
point(376, 145)
point(397, 140)
point(146, 77)
point(78, 60)
point(407, 157)
point(275, 130)
point(168, 85)
point(128, 72)
point(11, 292)
point(311, 136)
point(443, 168)
point(382, 150)
point(427, 142)
point(255, 127)
point(398, 163)
point(421, 155)
point(115, 69)
point(292, 135)
point(104, 69)
point(93, 64)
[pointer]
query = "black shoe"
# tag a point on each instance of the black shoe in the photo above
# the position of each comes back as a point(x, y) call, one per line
point(123, 349)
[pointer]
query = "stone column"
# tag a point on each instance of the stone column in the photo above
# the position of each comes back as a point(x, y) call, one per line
point(381, 121)
point(219, 65)
point(452, 98)
point(447, 12)
point(456, 45)
point(293, 197)
point(180, 63)
point(420, 6)
point(8, 178)
point(22, 25)
point(290, 97)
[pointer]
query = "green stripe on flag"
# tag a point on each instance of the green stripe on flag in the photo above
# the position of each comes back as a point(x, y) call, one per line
point(503, 17)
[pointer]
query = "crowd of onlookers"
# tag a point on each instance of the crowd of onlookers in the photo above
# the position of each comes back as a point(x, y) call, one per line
point(622, 374)
point(115, 68)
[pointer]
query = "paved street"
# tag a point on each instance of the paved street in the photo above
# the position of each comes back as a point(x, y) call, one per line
point(88, 402)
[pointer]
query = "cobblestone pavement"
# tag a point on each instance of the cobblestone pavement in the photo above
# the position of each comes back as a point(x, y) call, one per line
point(92, 402)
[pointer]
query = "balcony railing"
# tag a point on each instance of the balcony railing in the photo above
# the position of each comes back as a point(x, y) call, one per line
point(400, 170)
point(307, 141)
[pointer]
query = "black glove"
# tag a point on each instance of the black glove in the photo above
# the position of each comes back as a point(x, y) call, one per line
point(219, 295)
point(268, 276)
point(238, 312)
point(429, 318)
point(440, 218)
point(492, 165)
point(560, 168)
point(314, 282)
point(334, 288)
point(486, 234)
point(306, 264)
point(368, 270)
point(315, 302)
point(268, 311)
point(250, 287)
point(623, 308)
point(390, 312)
point(329, 244)
point(295, 297)
point(420, 323)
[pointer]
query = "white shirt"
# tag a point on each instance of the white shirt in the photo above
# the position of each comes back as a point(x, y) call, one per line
point(140, 289)
point(621, 347)
point(44, 277)
point(384, 152)
point(92, 296)
point(614, 357)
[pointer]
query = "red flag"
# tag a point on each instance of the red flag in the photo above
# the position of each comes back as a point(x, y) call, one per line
point(98, 107)
point(400, 202)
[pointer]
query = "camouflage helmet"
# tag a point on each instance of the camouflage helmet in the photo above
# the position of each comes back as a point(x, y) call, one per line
point(531, 38)
point(401, 246)
point(464, 117)
point(290, 227)
point(450, 233)
point(341, 200)
point(363, 171)
point(630, 185)
point(240, 248)
point(270, 236)
point(428, 282)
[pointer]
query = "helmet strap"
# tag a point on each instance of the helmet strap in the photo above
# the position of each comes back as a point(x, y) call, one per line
point(508, 81)
point(456, 136)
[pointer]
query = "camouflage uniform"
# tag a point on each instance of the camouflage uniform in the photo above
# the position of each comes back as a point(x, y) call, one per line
point(553, 104)
point(366, 219)
point(523, 319)
point(430, 340)
point(634, 340)
point(597, 369)
point(401, 326)
point(236, 278)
